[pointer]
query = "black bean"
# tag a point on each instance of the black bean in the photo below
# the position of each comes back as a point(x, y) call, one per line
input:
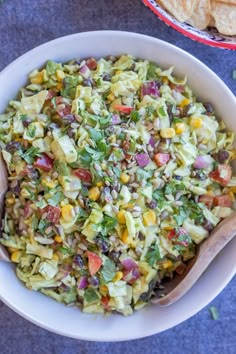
point(68, 119)
point(141, 236)
point(88, 82)
point(222, 156)
point(186, 110)
point(207, 225)
point(71, 133)
point(208, 107)
point(114, 256)
point(152, 204)
point(26, 122)
point(13, 146)
point(32, 173)
point(164, 145)
point(15, 187)
point(170, 112)
point(102, 244)
point(77, 62)
point(179, 178)
point(94, 281)
point(107, 77)
point(109, 130)
point(78, 260)
point(52, 126)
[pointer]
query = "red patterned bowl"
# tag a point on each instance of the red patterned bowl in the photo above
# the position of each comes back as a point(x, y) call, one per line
point(210, 36)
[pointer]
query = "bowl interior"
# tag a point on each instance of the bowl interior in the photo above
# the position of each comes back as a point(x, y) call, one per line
point(210, 36)
point(70, 321)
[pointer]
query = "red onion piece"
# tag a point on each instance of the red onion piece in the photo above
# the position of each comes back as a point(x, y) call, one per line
point(202, 161)
point(82, 283)
point(142, 159)
point(129, 263)
point(115, 119)
point(84, 71)
point(130, 276)
point(150, 88)
point(152, 142)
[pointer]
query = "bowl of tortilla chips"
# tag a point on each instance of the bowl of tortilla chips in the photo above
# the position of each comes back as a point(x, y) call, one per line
point(212, 22)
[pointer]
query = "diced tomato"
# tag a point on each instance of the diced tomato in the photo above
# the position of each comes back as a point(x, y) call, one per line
point(51, 94)
point(83, 174)
point(63, 108)
point(27, 210)
point(181, 269)
point(44, 162)
point(179, 88)
point(207, 200)
point(105, 301)
point(177, 236)
point(223, 201)
point(161, 159)
point(222, 174)
point(91, 63)
point(122, 108)
point(53, 213)
point(94, 263)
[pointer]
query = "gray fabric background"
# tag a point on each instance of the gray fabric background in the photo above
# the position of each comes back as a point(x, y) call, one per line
point(24, 24)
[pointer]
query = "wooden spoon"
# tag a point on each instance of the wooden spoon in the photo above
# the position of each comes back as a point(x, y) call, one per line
point(207, 251)
point(3, 188)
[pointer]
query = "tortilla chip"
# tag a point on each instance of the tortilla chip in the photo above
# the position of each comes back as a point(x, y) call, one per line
point(212, 22)
point(228, 1)
point(225, 17)
point(181, 9)
point(201, 14)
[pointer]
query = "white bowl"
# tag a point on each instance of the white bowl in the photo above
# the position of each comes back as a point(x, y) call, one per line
point(70, 322)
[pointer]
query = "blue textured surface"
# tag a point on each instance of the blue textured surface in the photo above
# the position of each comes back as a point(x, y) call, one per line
point(27, 23)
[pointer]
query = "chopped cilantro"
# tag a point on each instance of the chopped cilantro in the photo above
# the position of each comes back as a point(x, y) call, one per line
point(31, 131)
point(151, 72)
point(91, 295)
point(135, 116)
point(55, 199)
point(214, 313)
point(62, 168)
point(30, 154)
point(96, 135)
point(153, 255)
point(108, 270)
point(69, 86)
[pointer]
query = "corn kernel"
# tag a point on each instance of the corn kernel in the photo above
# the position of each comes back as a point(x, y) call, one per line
point(124, 178)
point(112, 139)
point(167, 133)
point(165, 80)
point(15, 256)
point(184, 102)
point(59, 86)
point(99, 184)
point(128, 205)
point(121, 217)
point(66, 212)
point(179, 128)
point(103, 290)
point(118, 276)
point(38, 78)
point(94, 193)
point(118, 72)
point(149, 218)
point(10, 201)
point(55, 257)
point(60, 75)
point(126, 237)
point(196, 122)
point(49, 183)
point(167, 264)
point(58, 239)
point(233, 189)
point(232, 196)
point(111, 97)
point(12, 249)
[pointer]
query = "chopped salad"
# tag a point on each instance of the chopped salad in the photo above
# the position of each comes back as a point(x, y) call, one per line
point(116, 173)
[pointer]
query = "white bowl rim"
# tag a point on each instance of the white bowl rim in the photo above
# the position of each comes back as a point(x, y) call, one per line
point(196, 307)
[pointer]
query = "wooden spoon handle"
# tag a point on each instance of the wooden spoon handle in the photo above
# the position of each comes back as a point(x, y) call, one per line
point(208, 250)
point(3, 188)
